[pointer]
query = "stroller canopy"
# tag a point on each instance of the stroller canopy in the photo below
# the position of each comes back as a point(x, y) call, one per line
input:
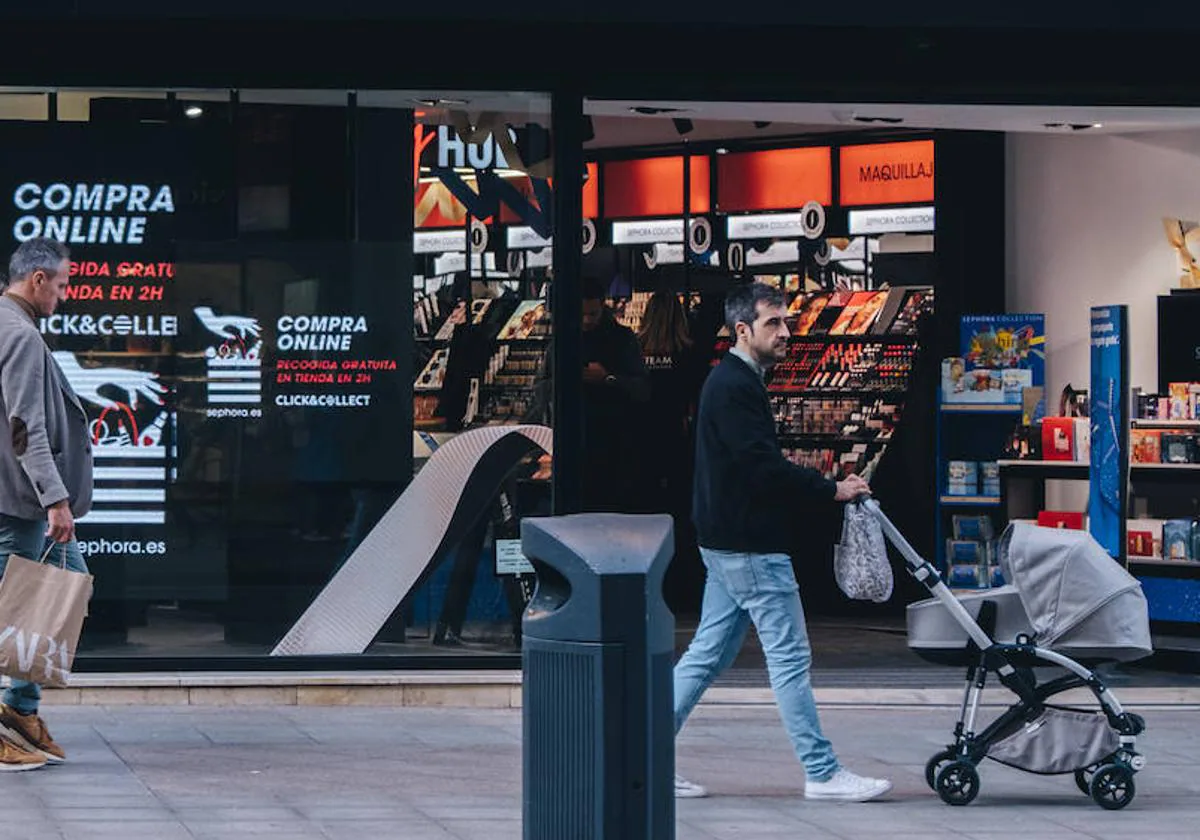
point(1076, 596)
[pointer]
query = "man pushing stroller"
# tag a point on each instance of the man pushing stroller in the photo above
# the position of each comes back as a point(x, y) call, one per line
point(743, 489)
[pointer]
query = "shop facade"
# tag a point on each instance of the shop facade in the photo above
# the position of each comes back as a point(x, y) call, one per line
point(268, 292)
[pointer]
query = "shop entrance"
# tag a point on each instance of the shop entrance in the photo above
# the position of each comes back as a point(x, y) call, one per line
point(889, 228)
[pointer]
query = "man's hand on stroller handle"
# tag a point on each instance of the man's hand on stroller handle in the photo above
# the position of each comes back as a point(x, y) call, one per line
point(851, 488)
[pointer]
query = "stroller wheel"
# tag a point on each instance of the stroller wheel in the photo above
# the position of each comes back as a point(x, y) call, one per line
point(1083, 779)
point(958, 783)
point(1112, 787)
point(935, 764)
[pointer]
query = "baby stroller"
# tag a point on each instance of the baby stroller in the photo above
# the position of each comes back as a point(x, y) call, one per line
point(1067, 600)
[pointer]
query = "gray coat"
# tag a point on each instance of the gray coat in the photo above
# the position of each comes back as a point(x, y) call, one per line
point(45, 448)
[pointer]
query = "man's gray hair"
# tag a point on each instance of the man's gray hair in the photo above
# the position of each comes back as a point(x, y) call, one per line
point(741, 304)
point(34, 254)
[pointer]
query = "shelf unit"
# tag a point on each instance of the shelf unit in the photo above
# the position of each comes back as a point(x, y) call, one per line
point(784, 399)
point(1158, 486)
point(970, 432)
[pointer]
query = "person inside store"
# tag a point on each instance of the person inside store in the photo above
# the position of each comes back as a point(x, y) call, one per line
point(616, 391)
point(745, 494)
point(676, 369)
point(45, 464)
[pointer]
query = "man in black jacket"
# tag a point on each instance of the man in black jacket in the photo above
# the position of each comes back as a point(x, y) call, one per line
point(615, 387)
point(745, 493)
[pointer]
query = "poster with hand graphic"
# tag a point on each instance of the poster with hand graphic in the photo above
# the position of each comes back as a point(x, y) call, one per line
point(119, 195)
point(128, 414)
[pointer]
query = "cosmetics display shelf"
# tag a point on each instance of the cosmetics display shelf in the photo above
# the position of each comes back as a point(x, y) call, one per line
point(833, 437)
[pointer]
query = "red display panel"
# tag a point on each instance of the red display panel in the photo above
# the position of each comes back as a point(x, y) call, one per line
point(635, 189)
point(886, 173)
point(778, 179)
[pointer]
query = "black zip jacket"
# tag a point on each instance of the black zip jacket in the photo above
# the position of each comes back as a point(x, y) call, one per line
point(746, 494)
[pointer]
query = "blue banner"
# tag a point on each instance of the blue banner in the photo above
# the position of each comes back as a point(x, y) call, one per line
point(1109, 427)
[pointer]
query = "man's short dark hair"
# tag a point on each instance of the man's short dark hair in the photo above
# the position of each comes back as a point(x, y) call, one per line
point(34, 254)
point(593, 289)
point(741, 304)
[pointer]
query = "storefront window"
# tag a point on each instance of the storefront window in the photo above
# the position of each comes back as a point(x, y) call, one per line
point(258, 322)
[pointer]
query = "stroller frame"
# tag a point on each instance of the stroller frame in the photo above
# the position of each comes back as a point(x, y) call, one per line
point(952, 772)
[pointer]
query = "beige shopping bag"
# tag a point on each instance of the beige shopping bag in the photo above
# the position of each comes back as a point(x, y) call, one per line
point(42, 607)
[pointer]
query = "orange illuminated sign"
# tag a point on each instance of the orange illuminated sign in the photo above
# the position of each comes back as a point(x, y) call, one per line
point(886, 173)
point(651, 187)
point(779, 179)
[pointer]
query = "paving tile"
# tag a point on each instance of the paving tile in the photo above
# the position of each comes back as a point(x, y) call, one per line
point(114, 830)
point(483, 829)
point(218, 830)
point(379, 830)
point(116, 813)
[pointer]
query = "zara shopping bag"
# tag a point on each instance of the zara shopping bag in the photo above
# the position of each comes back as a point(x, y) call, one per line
point(42, 607)
point(860, 561)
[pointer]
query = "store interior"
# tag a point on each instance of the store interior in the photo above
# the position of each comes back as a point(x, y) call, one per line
point(884, 225)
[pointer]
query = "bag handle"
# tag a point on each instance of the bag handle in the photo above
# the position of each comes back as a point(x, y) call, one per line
point(50, 548)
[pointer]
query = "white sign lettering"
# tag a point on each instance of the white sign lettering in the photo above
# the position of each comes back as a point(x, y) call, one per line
point(523, 236)
point(647, 232)
point(124, 209)
point(140, 325)
point(439, 241)
point(453, 152)
point(905, 220)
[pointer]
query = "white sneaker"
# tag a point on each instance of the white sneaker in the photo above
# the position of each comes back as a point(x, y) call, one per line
point(688, 790)
point(845, 786)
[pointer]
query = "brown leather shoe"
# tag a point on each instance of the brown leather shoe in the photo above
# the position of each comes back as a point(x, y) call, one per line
point(30, 732)
point(14, 758)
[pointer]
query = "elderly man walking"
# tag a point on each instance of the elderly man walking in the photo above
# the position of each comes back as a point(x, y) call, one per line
point(45, 464)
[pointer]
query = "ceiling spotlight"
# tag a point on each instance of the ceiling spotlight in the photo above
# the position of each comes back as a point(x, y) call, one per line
point(683, 126)
point(1057, 126)
point(722, 151)
point(441, 103)
point(760, 124)
point(193, 111)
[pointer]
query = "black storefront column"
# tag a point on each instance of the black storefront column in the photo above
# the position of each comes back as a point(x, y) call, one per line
point(380, 141)
point(566, 301)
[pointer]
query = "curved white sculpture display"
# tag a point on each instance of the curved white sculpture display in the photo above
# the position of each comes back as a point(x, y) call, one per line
point(445, 497)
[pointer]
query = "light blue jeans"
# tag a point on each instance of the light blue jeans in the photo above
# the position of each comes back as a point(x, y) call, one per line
point(762, 588)
point(27, 537)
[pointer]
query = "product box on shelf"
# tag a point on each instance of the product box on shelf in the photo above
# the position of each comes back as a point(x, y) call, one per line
point(989, 478)
point(1145, 446)
point(1000, 356)
point(1058, 439)
point(1177, 539)
point(1178, 448)
point(1144, 538)
point(1083, 439)
point(962, 478)
point(1060, 519)
point(1180, 401)
point(978, 528)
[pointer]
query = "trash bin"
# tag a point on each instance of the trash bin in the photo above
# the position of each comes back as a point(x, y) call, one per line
point(598, 648)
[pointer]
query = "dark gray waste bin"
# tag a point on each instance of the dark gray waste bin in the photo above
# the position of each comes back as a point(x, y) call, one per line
point(599, 734)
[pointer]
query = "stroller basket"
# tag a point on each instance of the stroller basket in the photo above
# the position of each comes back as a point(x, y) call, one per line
point(1059, 740)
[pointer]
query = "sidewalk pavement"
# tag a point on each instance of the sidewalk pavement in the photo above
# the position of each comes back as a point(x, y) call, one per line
point(164, 773)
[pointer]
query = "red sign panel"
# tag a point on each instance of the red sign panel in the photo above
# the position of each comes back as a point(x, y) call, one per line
point(887, 173)
point(638, 189)
point(779, 179)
